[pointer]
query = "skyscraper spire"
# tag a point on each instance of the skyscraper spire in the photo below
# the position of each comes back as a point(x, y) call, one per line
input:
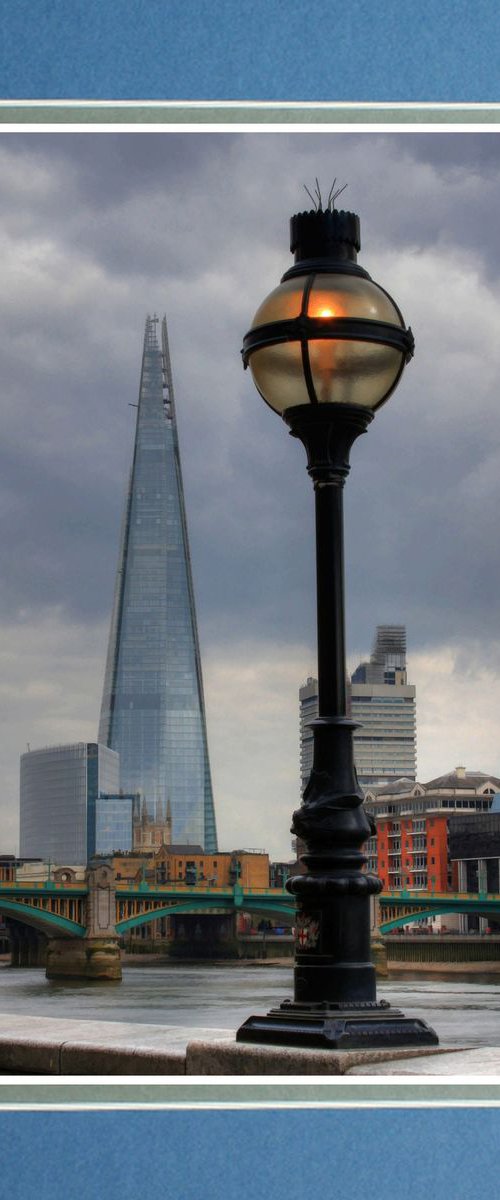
point(153, 709)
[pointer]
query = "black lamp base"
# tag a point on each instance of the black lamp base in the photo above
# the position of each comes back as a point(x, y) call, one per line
point(364, 1026)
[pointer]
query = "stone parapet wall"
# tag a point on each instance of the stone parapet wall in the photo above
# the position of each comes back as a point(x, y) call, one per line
point(412, 949)
point(48, 1046)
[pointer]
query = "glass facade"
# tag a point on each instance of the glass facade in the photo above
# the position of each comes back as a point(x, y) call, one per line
point(59, 789)
point(475, 836)
point(113, 828)
point(153, 709)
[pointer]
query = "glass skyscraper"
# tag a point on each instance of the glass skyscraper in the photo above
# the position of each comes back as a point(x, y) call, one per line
point(153, 710)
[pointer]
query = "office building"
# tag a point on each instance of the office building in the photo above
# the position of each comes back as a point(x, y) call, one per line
point(382, 704)
point(308, 707)
point(474, 849)
point(59, 800)
point(153, 711)
point(474, 845)
point(388, 658)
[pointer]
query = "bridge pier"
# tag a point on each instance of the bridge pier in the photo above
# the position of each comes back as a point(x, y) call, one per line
point(97, 955)
point(377, 943)
point(83, 958)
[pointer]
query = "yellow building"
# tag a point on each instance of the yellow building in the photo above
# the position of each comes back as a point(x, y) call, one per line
point(190, 865)
point(223, 869)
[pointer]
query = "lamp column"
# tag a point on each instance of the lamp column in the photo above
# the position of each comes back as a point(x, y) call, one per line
point(333, 899)
point(326, 349)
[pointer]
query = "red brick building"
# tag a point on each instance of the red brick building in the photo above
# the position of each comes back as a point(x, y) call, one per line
point(410, 849)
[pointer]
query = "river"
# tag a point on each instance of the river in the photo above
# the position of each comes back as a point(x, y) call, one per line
point(221, 997)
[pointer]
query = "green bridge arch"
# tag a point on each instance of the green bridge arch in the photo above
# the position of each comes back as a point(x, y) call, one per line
point(480, 908)
point(201, 906)
point(170, 910)
point(40, 919)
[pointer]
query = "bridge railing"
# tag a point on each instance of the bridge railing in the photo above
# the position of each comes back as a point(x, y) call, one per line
point(46, 885)
point(178, 888)
point(419, 896)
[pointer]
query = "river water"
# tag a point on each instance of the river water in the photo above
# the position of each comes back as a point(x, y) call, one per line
point(221, 997)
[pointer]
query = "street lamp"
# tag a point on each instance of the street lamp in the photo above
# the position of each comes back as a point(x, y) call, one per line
point(326, 349)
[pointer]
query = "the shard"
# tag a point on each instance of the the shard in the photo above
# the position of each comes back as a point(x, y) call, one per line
point(153, 710)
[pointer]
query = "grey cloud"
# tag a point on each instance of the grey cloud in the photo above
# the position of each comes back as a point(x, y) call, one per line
point(198, 225)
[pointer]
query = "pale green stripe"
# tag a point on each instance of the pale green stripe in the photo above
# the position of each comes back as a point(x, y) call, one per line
point(191, 1094)
point(227, 114)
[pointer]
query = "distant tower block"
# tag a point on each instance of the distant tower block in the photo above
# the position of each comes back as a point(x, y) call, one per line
point(153, 710)
point(383, 705)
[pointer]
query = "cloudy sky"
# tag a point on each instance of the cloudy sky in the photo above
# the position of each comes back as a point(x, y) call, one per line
point(96, 230)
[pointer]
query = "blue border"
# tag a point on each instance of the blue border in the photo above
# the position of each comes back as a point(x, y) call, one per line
point(435, 50)
point(439, 50)
point(397, 1154)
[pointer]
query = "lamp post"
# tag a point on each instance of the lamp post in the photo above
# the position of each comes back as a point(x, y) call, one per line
point(326, 349)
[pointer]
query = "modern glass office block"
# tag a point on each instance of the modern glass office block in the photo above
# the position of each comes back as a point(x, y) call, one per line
point(59, 790)
point(113, 826)
point(153, 709)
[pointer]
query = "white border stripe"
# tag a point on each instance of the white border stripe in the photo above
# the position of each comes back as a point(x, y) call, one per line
point(244, 127)
point(260, 105)
point(260, 1081)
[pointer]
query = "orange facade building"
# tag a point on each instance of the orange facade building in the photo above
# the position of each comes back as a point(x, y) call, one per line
point(410, 849)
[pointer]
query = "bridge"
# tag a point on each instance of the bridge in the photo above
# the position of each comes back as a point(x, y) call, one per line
point(399, 908)
point(60, 907)
point(83, 921)
point(142, 903)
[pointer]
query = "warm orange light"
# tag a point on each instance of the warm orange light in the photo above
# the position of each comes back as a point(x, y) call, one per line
point(326, 312)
